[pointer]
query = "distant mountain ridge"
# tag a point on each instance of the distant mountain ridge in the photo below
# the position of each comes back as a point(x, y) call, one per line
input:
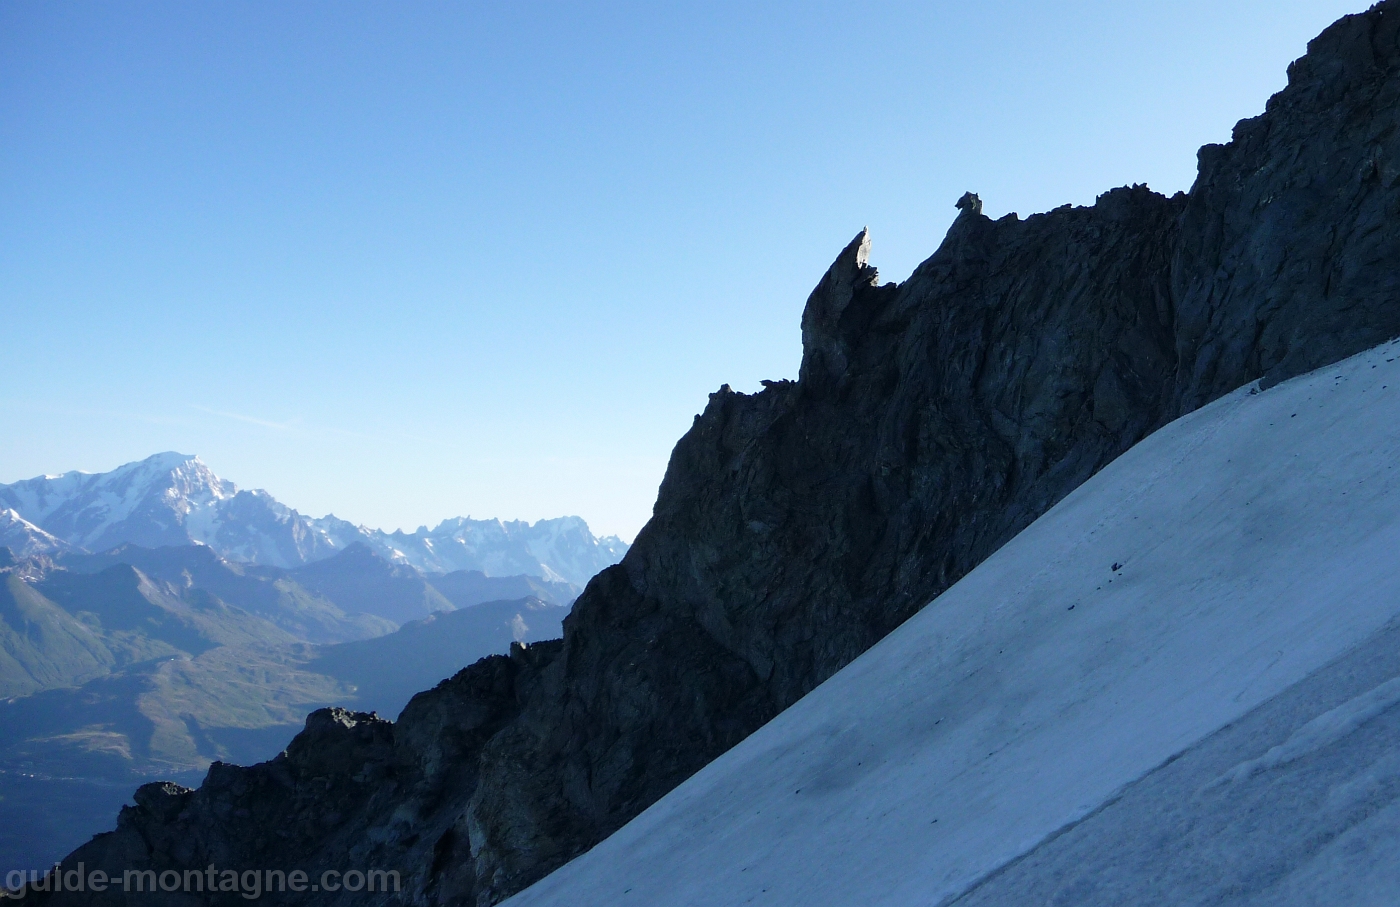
point(93, 625)
point(175, 499)
point(354, 594)
point(119, 673)
point(153, 662)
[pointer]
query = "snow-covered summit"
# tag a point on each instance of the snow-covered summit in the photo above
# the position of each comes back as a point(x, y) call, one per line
point(1180, 685)
point(557, 549)
point(145, 502)
point(24, 539)
point(175, 499)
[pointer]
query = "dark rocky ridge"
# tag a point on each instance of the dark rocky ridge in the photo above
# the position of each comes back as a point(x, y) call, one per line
point(931, 421)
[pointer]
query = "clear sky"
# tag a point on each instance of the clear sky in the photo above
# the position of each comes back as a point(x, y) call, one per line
point(406, 261)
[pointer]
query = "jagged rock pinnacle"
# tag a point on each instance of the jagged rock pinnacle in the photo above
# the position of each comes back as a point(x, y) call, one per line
point(823, 347)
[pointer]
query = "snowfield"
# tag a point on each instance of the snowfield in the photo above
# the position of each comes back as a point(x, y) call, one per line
point(1213, 721)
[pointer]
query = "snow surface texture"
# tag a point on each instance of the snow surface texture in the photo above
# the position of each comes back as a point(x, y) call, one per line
point(1211, 722)
point(175, 499)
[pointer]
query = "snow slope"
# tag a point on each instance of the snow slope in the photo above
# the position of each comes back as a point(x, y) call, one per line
point(1210, 723)
point(24, 539)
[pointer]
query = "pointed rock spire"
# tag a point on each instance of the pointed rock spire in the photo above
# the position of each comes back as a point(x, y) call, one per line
point(823, 349)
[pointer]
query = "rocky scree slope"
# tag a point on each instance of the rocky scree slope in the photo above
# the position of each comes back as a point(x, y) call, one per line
point(931, 421)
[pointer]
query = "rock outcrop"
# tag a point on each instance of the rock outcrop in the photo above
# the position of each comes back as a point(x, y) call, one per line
point(932, 420)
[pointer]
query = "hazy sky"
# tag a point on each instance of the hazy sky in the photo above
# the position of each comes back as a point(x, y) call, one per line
point(405, 261)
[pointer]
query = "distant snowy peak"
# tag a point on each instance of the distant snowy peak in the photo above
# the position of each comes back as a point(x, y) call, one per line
point(557, 549)
point(24, 539)
point(146, 502)
point(175, 499)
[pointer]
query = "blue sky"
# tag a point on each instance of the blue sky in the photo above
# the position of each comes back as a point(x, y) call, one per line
point(402, 262)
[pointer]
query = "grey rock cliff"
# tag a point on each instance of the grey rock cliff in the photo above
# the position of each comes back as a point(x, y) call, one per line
point(932, 420)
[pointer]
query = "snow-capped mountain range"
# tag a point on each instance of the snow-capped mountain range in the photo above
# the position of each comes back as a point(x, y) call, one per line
point(175, 499)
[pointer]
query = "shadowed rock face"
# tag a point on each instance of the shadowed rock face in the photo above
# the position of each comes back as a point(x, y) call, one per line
point(795, 527)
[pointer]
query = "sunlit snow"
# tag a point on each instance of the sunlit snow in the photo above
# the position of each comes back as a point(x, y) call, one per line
point(173, 498)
